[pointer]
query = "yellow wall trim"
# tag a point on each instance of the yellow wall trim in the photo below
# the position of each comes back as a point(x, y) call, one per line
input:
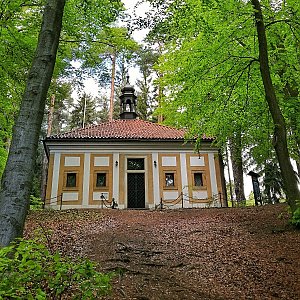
point(62, 177)
point(169, 169)
point(109, 180)
point(206, 178)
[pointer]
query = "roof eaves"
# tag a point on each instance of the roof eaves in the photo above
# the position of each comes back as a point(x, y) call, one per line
point(86, 139)
point(76, 139)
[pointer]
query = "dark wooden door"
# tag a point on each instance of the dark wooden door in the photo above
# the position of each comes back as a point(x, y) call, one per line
point(136, 190)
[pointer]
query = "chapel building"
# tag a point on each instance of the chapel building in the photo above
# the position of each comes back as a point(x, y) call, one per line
point(132, 164)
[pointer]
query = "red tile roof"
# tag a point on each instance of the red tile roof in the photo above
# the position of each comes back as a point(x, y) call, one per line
point(124, 129)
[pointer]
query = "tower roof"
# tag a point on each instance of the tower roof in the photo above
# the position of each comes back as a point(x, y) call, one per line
point(128, 102)
point(128, 87)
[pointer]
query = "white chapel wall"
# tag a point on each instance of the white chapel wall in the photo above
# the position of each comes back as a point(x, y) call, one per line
point(178, 162)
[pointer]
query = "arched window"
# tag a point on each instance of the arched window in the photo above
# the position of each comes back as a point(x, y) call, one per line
point(128, 105)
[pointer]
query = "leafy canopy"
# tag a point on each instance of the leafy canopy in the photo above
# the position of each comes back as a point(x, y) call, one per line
point(210, 69)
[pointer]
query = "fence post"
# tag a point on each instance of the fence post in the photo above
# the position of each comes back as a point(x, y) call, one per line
point(102, 200)
point(181, 199)
point(61, 198)
point(113, 203)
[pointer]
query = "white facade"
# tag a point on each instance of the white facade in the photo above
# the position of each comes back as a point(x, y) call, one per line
point(91, 174)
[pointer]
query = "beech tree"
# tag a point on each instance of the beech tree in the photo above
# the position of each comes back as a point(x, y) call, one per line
point(280, 133)
point(235, 146)
point(16, 181)
point(17, 177)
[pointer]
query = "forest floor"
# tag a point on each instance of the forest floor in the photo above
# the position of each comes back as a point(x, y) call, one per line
point(240, 253)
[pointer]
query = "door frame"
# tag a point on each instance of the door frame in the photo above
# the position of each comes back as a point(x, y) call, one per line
point(145, 171)
point(141, 205)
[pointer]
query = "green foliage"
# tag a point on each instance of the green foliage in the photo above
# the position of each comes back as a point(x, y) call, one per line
point(36, 203)
point(272, 182)
point(20, 22)
point(29, 271)
point(98, 55)
point(251, 199)
point(295, 220)
point(84, 112)
point(211, 74)
point(3, 158)
point(62, 93)
point(244, 203)
point(19, 25)
point(146, 96)
point(103, 105)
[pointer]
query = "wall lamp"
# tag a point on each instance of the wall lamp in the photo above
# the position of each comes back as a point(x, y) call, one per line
point(116, 163)
point(155, 164)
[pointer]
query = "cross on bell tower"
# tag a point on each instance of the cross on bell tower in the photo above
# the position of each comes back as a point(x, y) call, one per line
point(128, 102)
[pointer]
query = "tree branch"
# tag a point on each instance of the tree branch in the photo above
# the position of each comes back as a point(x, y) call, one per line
point(281, 21)
point(92, 41)
point(239, 77)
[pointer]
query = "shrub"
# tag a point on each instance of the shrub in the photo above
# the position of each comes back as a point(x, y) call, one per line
point(29, 271)
point(295, 220)
point(35, 203)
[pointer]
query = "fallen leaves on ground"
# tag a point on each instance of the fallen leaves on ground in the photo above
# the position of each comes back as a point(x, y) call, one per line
point(240, 253)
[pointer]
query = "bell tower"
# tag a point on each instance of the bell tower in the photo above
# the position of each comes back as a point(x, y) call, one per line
point(128, 102)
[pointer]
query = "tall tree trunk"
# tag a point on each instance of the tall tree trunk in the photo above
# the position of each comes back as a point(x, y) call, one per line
point(229, 178)
point(160, 95)
point(294, 123)
point(237, 167)
point(224, 199)
point(298, 168)
point(18, 174)
point(112, 88)
point(160, 118)
point(280, 137)
point(84, 111)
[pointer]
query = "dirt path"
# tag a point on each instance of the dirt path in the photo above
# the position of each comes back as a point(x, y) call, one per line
point(200, 254)
point(247, 253)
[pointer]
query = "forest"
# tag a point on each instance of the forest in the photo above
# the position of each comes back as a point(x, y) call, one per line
point(224, 69)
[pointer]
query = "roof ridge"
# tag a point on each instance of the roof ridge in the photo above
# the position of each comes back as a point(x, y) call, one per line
point(149, 122)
